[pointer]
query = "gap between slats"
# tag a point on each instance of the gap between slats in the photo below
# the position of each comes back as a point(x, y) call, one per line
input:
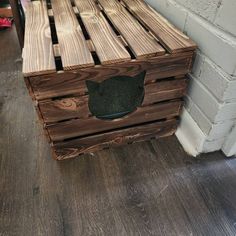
point(137, 37)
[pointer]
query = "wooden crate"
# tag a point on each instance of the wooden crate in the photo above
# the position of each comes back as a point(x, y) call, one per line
point(68, 42)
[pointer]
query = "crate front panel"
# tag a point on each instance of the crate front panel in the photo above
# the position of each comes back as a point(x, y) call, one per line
point(68, 83)
point(78, 146)
point(60, 109)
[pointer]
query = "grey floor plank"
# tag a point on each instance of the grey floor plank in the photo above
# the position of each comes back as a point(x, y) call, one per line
point(150, 188)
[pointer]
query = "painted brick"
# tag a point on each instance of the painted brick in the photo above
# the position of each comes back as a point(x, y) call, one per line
point(219, 47)
point(198, 64)
point(170, 10)
point(193, 140)
point(209, 105)
point(206, 9)
point(211, 130)
point(226, 16)
point(190, 135)
point(212, 146)
point(229, 147)
point(222, 85)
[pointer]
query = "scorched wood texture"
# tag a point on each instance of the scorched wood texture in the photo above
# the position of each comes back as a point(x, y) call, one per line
point(70, 42)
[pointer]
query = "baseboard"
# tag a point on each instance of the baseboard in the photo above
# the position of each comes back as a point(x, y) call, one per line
point(190, 135)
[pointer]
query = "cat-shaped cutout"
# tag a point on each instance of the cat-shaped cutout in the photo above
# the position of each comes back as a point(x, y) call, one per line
point(116, 97)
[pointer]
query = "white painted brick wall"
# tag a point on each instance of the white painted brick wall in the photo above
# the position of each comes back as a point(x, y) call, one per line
point(211, 99)
point(204, 8)
point(222, 85)
point(212, 130)
point(206, 101)
point(226, 16)
point(217, 45)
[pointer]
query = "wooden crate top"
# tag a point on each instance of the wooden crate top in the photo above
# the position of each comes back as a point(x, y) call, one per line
point(68, 35)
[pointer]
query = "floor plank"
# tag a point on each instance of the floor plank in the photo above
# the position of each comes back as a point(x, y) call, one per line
point(150, 188)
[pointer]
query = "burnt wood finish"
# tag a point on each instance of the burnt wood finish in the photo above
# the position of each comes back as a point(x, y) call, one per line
point(66, 83)
point(151, 188)
point(41, 57)
point(69, 42)
point(100, 32)
point(76, 107)
point(76, 147)
point(81, 127)
point(136, 36)
point(174, 40)
point(103, 24)
point(73, 48)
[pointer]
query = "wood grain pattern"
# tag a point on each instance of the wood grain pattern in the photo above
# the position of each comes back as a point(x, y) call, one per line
point(150, 188)
point(172, 38)
point(73, 48)
point(108, 47)
point(62, 84)
point(163, 91)
point(37, 54)
point(80, 127)
point(77, 107)
point(141, 43)
point(76, 147)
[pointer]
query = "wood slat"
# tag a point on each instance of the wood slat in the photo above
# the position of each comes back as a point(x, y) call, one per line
point(139, 40)
point(108, 47)
point(77, 107)
point(81, 127)
point(73, 47)
point(37, 54)
point(173, 39)
point(73, 148)
point(63, 84)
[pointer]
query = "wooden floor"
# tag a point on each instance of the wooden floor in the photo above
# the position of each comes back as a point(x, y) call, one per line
point(152, 188)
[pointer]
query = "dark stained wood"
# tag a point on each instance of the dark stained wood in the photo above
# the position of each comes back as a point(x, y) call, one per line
point(80, 127)
point(173, 39)
point(38, 57)
point(64, 109)
point(100, 31)
point(18, 21)
point(62, 84)
point(5, 11)
point(139, 40)
point(73, 47)
point(164, 90)
point(76, 147)
point(96, 40)
point(148, 188)
point(77, 107)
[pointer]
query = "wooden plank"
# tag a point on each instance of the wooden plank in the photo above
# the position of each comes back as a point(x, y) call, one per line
point(77, 107)
point(6, 11)
point(76, 147)
point(108, 47)
point(63, 84)
point(73, 46)
point(163, 91)
point(64, 109)
point(172, 38)
point(37, 55)
point(81, 127)
point(138, 39)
